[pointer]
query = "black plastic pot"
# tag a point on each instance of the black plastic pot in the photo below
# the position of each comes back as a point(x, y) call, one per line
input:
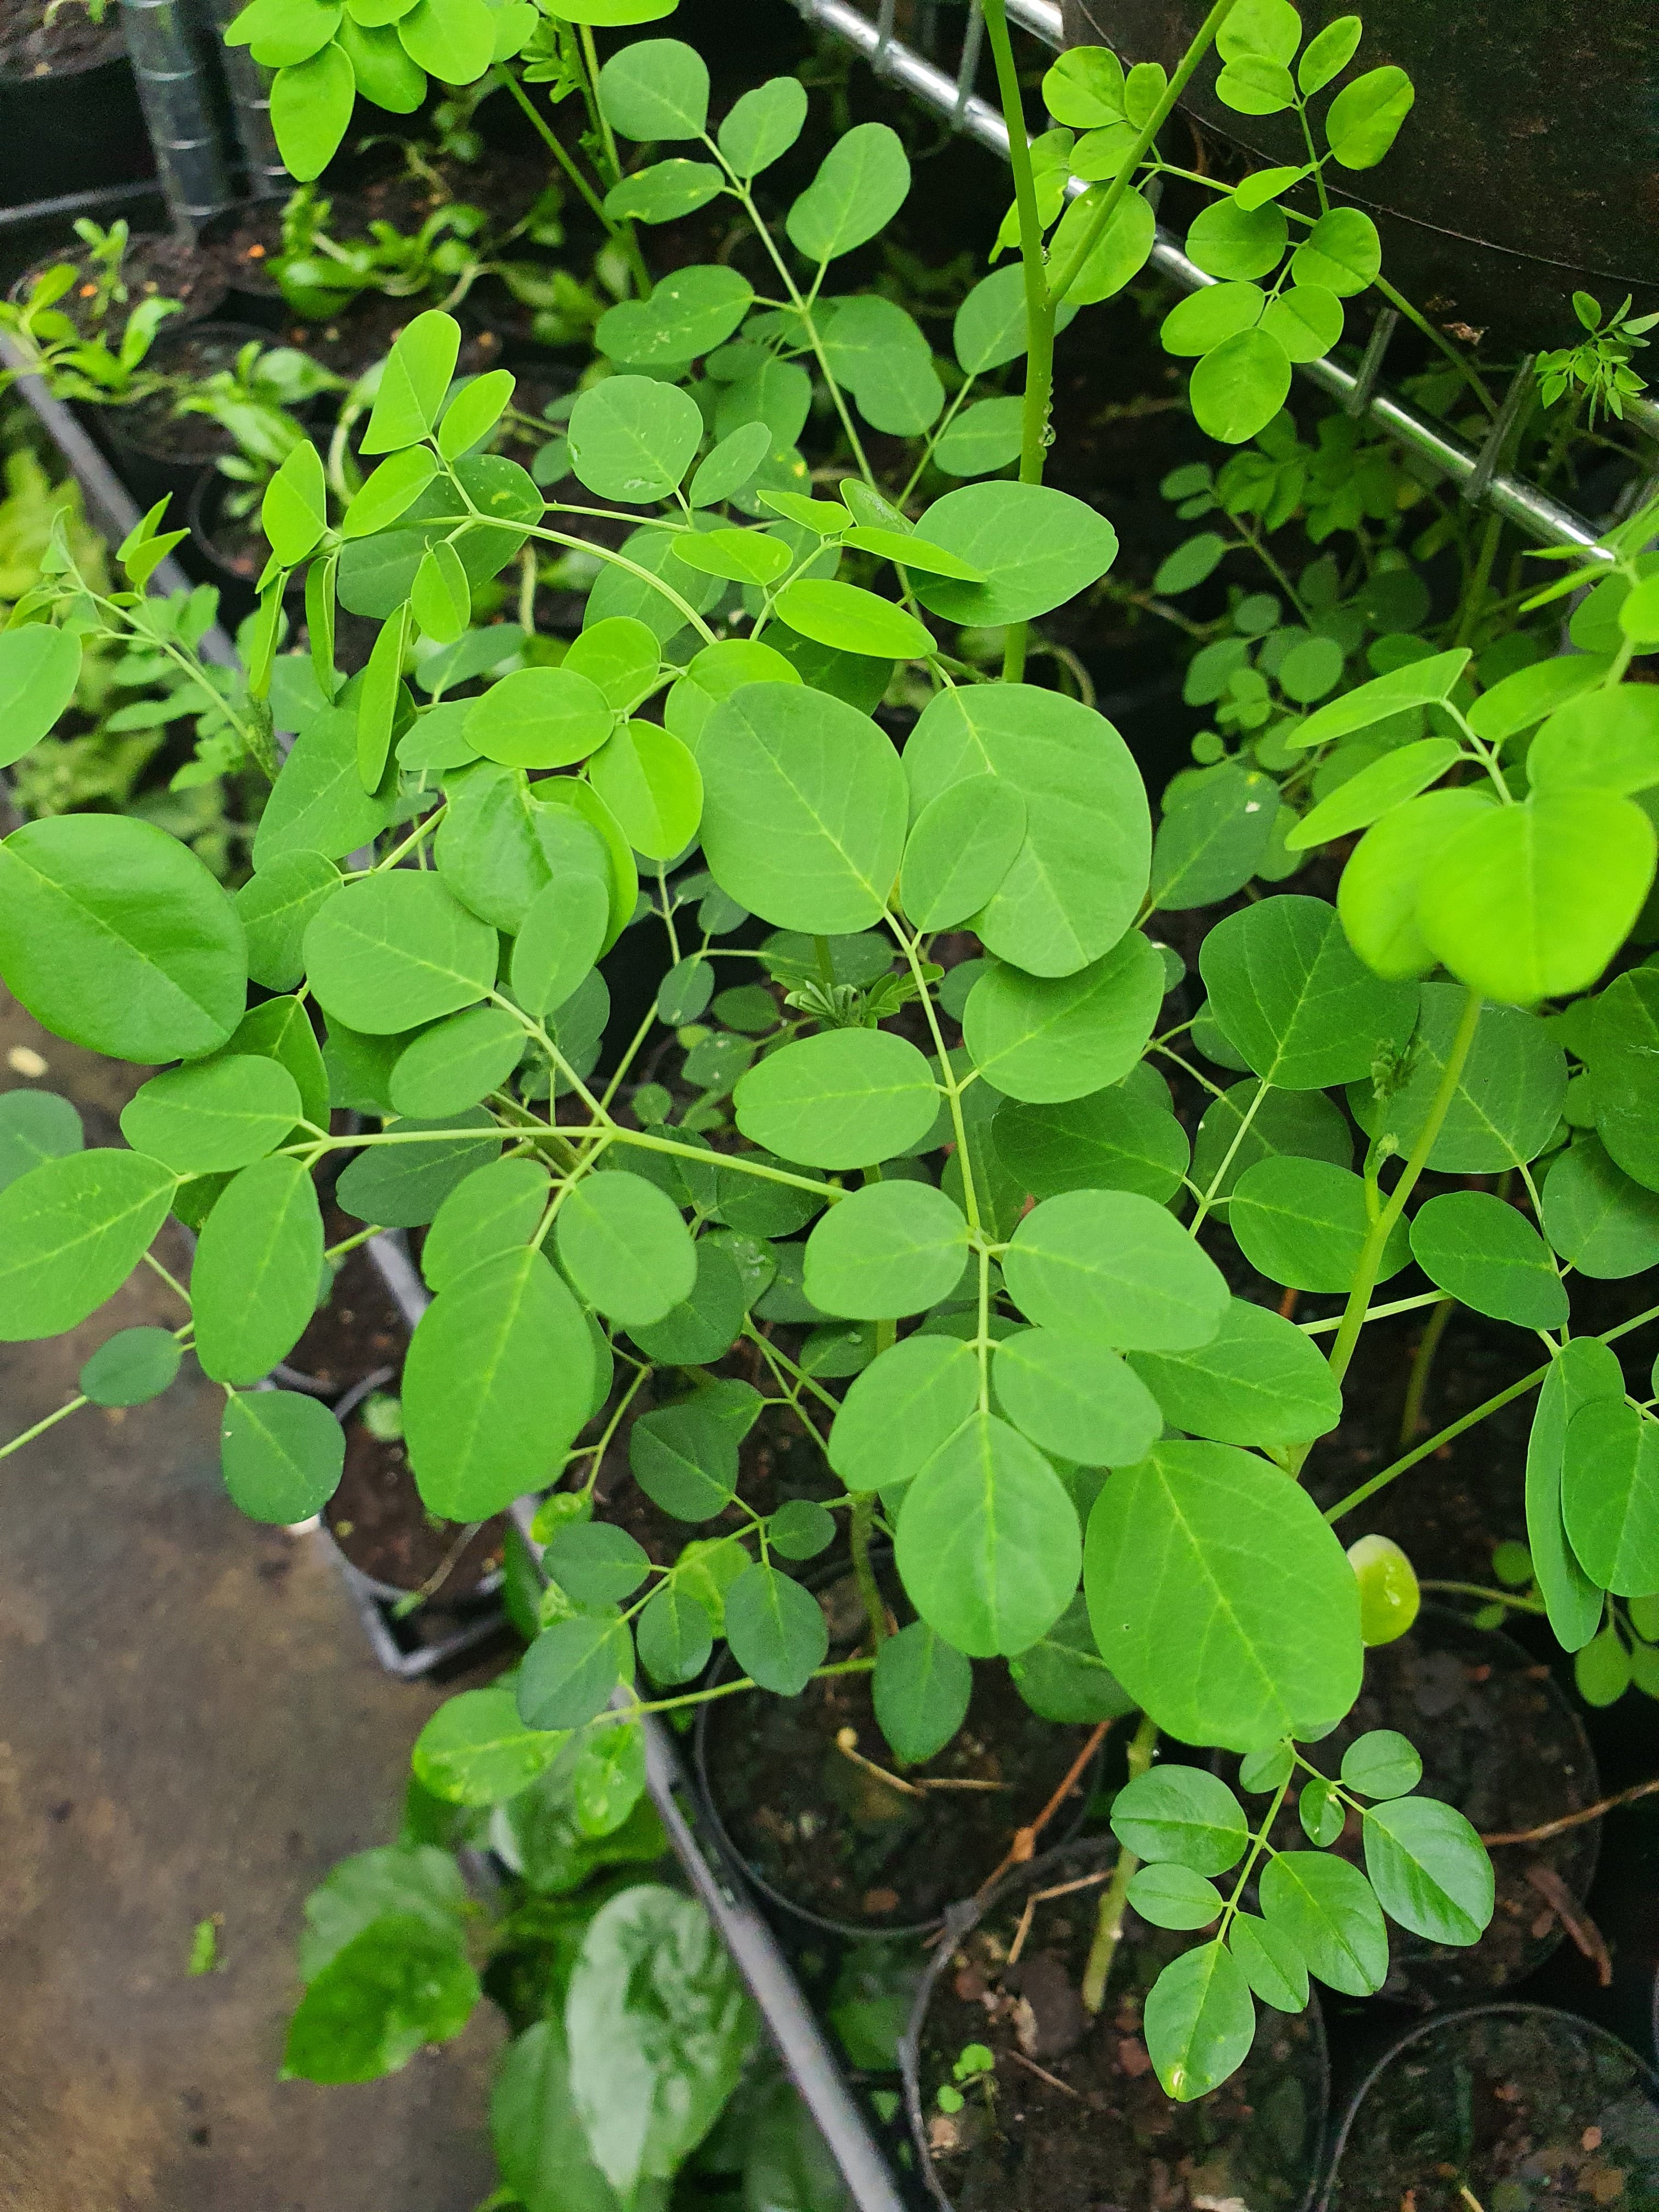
point(1525, 170)
point(229, 554)
point(71, 129)
point(1258, 2139)
point(155, 451)
point(859, 1795)
point(1466, 2103)
point(1464, 1697)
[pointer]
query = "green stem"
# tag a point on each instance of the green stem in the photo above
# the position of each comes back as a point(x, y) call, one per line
point(565, 159)
point(860, 1530)
point(1108, 1927)
point(40, 1427)
point(1412, 1423)
point(1473, 598)
point(1399, 301)
point(1513, 1599)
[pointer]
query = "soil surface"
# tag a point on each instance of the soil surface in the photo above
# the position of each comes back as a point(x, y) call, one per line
point(1500, 1741)
point(358, 1329)
point(377, 1519)
point(151, 427)
point(1092, 2128)
point(154, 266)
point(1518, 2109)
point(30, 46)
point(830, 1837)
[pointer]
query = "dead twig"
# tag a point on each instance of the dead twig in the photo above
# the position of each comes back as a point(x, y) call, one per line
point(1044, 2074)
point(1023, 1850)
point(1541, 1835)
point(1041, 1897)
point(1574, 1919)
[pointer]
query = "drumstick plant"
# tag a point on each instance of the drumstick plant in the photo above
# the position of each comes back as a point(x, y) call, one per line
point(952, 1225)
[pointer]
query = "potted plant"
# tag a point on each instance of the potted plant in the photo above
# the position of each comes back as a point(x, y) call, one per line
point(913, 1200)
point(70, 117)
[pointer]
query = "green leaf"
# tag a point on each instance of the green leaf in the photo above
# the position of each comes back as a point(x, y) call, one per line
point(1112, 1262)
point(282, 32)
point(1607, 739)
point(395, 1988)
point(311, 105)
point(1481, 1251)
point(776, 1629)
point(474, 411)
point(1417, 683)
point(71, 1230)
point(595, 1563)
point(1077, 883)
point(1532, 902)
point(1036, 548)
point(1236, 390)
point(653, 785)
point(1123, 250)
point(921, 1689)
point(860, 185)
point(890, 1248)
point(1507, 1102)
point(762, 125)
point(1374, 792)
point(1343, 252)
point(283, 1454)
point(1198, 2021)
point(1270, 1963)
point(1303, 1123)
point(457, 1062)
point(1085, 88)
point(1220, 1599)
point(1260, 1382)
point(1295, 1003)
point(1063, 1678)
point(281, 1030)
point(540, 718)
point(685, 1458)
point(1624, 1041)
point(744, 557)
point(454, 39)
point(1610, 1494)
point(1118, 1138)
point(621, 656)
point(675, 1635)
point(1213, 837)
point(1378, 894)
point(571, 1670)
point(253, 1281)
point(1382, 1763)
point(990, 330)
point(1307, 321)
point(397, 949)
point(844, 1098)
point(498, 1380)
point(496, 1208)
point(852, 621)
point(987, 1546)
point(1329, 54)
point(1071, 1395)
point(380, 700)
point(35, 1126)
point(633, 438)
point(1046, 1040)
point(1596, 1216)
point(561, 936)
point(293, 514)
point(1328, 1910)
point(131, 1367)
point(40, 670)
point(691, 312)
point(725, 471)
point(1305, 1222)
point(701, 1328)
point(114, 935)
point(498, 846)
point(660, 2031)
point(539, 2140)
point(1171, 1897)
point(276, 906)
point(1194, 326)
point(1430, 1869)
point(1362, 121)
point(401, 1186)
point(625, 1246)
point(318, 805)
point(1182, 1814)
point(475, 1750)
point(414, 383)
point(655, 89)
point(804, 808)
point(214, 1115)
point(1241, 244)
point(441, 596)
point(907, 1403)
point(1603, 1670)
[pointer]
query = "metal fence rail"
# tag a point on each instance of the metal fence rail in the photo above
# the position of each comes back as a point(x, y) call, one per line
point(1478, 472)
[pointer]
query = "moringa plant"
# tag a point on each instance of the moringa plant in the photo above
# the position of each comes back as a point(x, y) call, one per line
point(918, 1139)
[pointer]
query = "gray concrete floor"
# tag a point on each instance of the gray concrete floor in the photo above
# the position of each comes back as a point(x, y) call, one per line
point(190, 1724)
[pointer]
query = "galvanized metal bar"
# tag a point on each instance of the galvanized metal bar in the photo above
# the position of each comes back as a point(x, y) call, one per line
point(177, 104)
point(1518, 500)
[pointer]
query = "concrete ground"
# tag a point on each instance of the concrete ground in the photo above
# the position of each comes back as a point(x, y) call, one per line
point(190, 1724)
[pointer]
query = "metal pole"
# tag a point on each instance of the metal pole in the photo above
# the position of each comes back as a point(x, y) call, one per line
point(177, 107)
point(249, 96)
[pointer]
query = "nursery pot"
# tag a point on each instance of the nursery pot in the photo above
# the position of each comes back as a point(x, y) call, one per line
point(1499, 1740)
point(1075, 2118)
point(69, 118)
point(157, 265)
point(1520, 2105)
point(229, 550)
point(827, 1841)
point(1526, 168)
point(155, 451)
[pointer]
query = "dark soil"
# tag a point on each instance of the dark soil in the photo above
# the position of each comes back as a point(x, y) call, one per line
point(365, 332)
point(151, 427)
point(377, 1519)
point(29, 46)
point(361, 1327)
point(833, 1840)
point(1517, 2108)
point(154, 266)
point(1500, 1741)
point(1099, 2133)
